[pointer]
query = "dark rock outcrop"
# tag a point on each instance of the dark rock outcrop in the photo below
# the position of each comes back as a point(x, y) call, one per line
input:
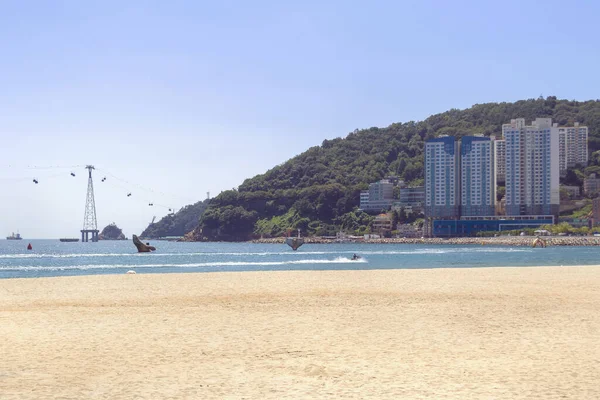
point(141, 247)
point(112, 232)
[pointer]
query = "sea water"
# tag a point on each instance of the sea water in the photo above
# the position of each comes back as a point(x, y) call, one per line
point(55, 258)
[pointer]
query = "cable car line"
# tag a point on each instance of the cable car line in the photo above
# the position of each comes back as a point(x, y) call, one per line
point(41, 179)
point(145, 188)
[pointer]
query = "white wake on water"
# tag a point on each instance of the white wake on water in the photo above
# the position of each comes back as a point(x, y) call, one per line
point(337, 260)
point(266, 254)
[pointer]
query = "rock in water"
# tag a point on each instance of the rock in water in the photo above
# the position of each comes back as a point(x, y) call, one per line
point(111, 232)
point(141, 247)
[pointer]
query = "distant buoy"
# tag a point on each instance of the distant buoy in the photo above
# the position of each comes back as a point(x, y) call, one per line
point(29, 246)
point(131, 272)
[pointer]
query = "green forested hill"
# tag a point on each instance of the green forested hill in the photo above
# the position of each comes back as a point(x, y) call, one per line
point(177, 224)
point(318, 190)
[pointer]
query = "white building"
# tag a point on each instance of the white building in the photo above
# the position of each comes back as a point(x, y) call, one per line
point(477, 176)
point(573, 146)
point(442, 194)
point(500, 160)
point(408, 230)
point(379, 197)
point(411, 200)
point(532, 167)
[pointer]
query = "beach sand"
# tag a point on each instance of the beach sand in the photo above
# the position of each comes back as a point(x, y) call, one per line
point(489, 333)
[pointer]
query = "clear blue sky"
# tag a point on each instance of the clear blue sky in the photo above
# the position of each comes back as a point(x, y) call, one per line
point(185, 97)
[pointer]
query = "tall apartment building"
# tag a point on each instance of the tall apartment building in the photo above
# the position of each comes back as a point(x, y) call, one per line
point(572, 149)
point(442, 194)
point(532, 167)
point(573, 146)
point(500, 160)
point(477, 176)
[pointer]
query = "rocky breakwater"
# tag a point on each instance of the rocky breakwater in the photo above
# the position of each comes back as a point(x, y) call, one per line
point(516, 241)
point(307, 240)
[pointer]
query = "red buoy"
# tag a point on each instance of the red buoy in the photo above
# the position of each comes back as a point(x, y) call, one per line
point(29, 246)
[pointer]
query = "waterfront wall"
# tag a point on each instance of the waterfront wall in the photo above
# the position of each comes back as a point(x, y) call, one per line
point(503, 240)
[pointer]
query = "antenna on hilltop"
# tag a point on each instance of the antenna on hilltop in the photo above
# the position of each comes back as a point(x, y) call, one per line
point(207, 195)
point(89, 218)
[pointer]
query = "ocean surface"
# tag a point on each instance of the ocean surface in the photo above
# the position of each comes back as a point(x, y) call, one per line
point(54, 258)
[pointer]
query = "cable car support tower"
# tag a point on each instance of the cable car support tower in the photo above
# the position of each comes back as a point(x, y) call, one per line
point(89, 218)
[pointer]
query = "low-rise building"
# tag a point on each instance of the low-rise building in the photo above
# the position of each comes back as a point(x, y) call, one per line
point(576, 222)
point(501, 207)
point(573, 191)
point(378, 198)
point(596, 211)
point(411, 198)
point(394, 180)
point(591, 184)
point(382, 224)
point(469, 226)
point(408, 210)
point(408, 231)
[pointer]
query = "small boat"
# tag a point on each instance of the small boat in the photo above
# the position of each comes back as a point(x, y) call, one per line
point(69, 239)
point(14, 237)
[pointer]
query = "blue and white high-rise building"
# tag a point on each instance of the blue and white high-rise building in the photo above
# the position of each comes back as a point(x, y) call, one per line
point(532, 167)
point(477, 176)
point(442, 169)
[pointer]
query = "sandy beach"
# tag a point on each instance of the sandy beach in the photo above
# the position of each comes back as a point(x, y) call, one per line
point(489, 333)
